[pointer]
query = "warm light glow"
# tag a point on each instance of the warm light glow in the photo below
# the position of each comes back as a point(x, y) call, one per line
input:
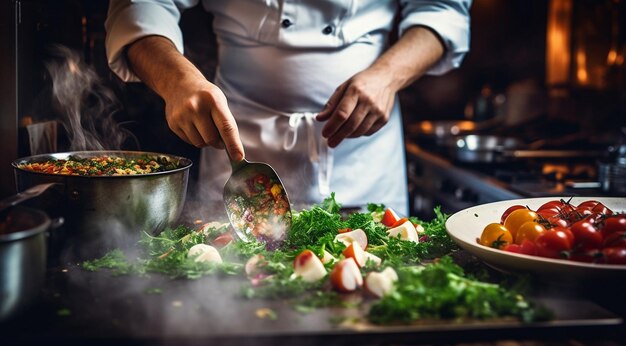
point(611, 58)
point(558, 42)
point(581, 67)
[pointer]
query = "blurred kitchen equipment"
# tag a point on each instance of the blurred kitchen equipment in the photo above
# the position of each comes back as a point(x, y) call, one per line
point(243, 208)
point(482, 148)
point(612, 170)
point(107, 207)
point(440, 131)
point(42, 137)
point(23, 250)
point(25, 195)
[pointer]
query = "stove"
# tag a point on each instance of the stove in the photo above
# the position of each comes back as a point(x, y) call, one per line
point(438, 178)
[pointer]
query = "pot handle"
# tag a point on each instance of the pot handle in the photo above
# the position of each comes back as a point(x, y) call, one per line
point(25, 195)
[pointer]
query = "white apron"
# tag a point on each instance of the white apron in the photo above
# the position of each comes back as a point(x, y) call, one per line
point(284, 57)
point(274, 94)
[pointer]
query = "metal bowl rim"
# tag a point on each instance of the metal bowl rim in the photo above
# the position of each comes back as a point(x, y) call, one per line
point(26, 233)
point(185, 163)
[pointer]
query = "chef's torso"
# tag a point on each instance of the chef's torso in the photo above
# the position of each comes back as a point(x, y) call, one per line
point(279, 62)
point(291, 55)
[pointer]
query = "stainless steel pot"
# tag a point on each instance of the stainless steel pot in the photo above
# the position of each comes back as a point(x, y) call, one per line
point(108, 205)
point(23, 252)
point(482, 148)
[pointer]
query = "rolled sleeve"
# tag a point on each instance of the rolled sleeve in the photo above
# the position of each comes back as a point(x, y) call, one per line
point(449, 19)
point(128, 21)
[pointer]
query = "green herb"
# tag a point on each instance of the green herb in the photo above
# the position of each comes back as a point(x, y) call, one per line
point(437, 290)
point(440, 290)
point(435, 243)
point(115, 260)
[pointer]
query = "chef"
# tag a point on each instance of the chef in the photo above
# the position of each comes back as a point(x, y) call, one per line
point(309, 87)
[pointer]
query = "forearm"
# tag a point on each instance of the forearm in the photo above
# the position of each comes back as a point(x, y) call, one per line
point(157, 62)
point(410, 57)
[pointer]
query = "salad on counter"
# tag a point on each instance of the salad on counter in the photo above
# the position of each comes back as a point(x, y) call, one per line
point(401, 268)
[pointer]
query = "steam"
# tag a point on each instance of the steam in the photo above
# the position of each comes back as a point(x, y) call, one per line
point(86, 106)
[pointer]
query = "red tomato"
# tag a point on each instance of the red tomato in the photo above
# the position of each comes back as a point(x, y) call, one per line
point(552, 218)
point(509, 210)
point(587, 205)
point(568, 233)
point(586, 235)
point(549, 212)
point(527, 247)
point(399, 222)
point(553, 244)
point(390, 217)
point(222, 240)
point(602, 209)
point(617, 239)
point(614, 255)
point(614, 224)
point(344, 230)
point(551, 204)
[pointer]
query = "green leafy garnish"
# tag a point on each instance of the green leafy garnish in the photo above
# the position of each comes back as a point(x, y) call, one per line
point(430, 285)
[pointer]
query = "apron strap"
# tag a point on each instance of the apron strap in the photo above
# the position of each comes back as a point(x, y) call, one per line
point(319, 152)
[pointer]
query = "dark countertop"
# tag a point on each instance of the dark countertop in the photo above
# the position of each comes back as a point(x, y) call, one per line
point(80, 307)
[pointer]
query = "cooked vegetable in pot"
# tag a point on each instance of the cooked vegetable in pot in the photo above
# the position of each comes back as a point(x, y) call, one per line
point(102, 165)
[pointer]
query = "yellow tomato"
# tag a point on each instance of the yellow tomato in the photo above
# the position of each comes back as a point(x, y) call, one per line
point(495, 235)
point(517, 218)
point(528, 230)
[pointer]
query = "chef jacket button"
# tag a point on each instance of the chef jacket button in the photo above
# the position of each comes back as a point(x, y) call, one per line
point(327, 30)
point(286, 23)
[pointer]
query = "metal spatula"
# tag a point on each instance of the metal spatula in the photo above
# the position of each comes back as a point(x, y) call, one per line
point(256, 203)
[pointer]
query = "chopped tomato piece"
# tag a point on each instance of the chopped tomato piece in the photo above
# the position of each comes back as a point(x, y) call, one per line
point(390, 217)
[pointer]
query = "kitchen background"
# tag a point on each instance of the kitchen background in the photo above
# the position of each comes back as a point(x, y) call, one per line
point(537, 108)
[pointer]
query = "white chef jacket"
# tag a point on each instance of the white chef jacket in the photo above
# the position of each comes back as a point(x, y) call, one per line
point(279, 62)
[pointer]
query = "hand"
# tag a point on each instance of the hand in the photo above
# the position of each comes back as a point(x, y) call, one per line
point(198, 113)
point(358, 107)
point(195, 109)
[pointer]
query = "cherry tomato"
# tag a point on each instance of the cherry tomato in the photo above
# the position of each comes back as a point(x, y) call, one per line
point(614, 224)
point(617, 239)
point(602, 209)
point(496, 236)
point(509, 211)
point(517, 218)
point(551, 219)
point(614, 255)
point(586, 235)
point(551, 204)
point(568, 233)
point(587, 205)
point(549, 212)
point(528, 230)
point(552, 244)
point(596, 217)
point(526, 248)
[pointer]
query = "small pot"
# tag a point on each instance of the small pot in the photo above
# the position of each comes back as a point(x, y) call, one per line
point(23, 250)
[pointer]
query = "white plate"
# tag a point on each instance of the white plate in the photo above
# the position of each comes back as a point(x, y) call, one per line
point(465, 226)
